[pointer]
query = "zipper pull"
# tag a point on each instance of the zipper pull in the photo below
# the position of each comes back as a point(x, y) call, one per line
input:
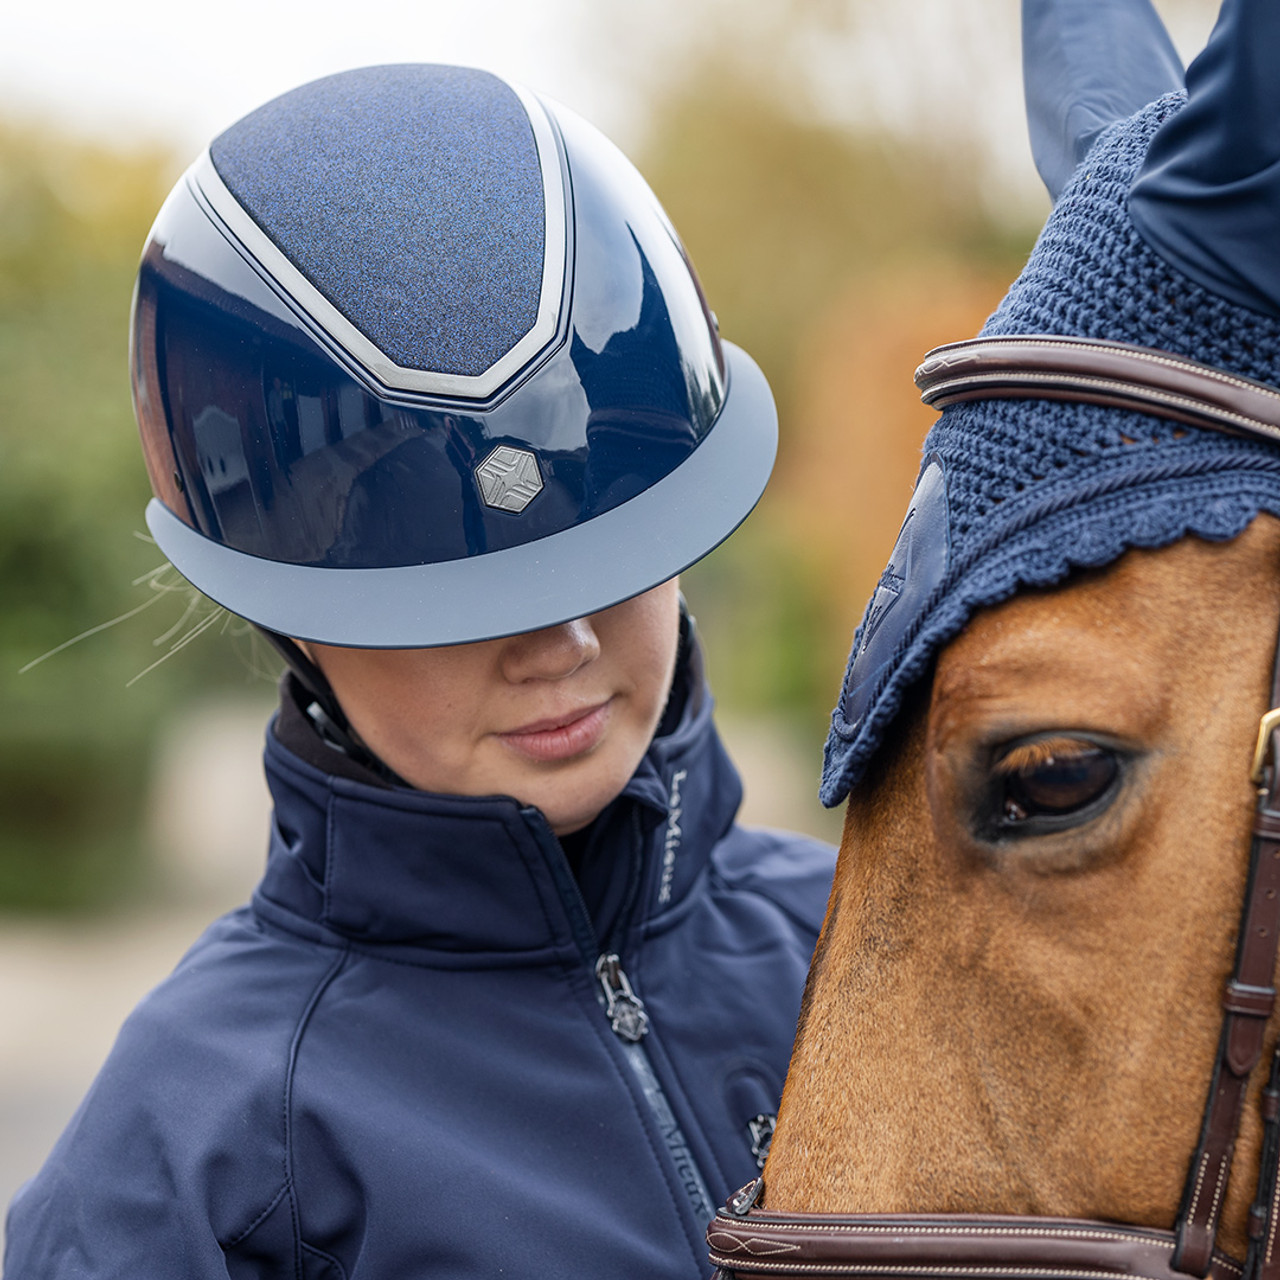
point(623, 1008)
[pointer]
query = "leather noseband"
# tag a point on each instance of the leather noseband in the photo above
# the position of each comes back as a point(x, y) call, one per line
point(979, 1247)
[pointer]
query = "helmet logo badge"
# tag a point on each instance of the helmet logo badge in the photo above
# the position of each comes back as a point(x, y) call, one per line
point(509, 478)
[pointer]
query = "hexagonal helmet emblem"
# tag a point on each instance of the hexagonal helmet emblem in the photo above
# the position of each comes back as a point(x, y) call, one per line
point(509, 478)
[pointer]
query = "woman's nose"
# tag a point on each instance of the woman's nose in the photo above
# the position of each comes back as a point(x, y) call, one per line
point(553, 653)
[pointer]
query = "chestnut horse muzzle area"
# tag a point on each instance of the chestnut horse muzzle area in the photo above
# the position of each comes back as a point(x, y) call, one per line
point(747, 1239)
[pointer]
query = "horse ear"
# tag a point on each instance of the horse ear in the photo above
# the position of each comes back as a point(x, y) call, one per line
point(1208, 196)
point(1085, 65)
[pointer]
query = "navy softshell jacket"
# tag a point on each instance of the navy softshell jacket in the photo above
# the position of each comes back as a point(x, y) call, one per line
point(395, 1063)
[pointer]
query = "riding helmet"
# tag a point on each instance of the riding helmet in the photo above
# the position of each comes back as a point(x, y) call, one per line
point(418, 359)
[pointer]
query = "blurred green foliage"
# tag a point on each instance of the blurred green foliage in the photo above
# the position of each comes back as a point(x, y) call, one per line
point(780, 214)
point(74, 739)
point(783, 217)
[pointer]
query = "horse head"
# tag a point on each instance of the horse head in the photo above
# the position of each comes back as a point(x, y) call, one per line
point(1015, 1003)
point(1049, 729)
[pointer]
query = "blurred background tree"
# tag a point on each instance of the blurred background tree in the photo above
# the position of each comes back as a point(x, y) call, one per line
point(837, 258)
point(74, 739)
point(842, 226)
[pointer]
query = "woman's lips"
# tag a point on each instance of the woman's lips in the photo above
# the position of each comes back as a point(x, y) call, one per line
point(560, 737)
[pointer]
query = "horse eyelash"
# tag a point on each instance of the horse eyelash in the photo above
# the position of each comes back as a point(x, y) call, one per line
point(1031, 755)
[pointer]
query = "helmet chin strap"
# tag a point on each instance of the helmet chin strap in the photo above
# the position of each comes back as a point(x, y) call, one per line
point(325, 711)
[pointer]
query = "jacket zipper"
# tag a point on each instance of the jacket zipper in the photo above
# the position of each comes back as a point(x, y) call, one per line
point(624, 1009)
point(630, 1023)
point(628, 1020)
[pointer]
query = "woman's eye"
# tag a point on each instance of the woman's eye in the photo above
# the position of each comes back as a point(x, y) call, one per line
point(1053, 778)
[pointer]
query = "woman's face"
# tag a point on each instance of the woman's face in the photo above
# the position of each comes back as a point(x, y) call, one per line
point(557, 718)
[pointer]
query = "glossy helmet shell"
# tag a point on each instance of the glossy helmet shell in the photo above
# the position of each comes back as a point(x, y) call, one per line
point(418, 359)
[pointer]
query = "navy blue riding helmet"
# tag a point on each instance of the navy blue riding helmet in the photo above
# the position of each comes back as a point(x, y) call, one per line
point(418, 360)
point(1165, 236)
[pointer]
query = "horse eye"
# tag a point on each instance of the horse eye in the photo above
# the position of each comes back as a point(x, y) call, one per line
point(1053, 780)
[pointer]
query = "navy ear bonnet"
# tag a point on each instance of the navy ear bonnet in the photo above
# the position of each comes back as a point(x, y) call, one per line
point(1019, 493)
point(418, 359)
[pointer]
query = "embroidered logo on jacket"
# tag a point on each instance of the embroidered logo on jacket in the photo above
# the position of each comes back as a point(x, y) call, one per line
point(671, 841)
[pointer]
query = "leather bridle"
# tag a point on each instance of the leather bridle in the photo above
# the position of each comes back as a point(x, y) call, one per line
point(747, 1239)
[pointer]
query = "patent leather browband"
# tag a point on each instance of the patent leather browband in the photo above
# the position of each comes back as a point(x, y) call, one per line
point(747, 1239)
point(1115, 374)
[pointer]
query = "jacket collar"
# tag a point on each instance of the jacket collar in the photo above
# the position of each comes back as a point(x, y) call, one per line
point(457, 876)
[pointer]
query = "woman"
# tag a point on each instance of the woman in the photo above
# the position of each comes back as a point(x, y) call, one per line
point(429, 393)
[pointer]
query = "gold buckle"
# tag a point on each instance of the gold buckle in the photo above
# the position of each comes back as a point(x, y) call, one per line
point(1266, 726)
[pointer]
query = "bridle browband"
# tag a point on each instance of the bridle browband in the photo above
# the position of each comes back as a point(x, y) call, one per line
point(1115, 374)
point(747, 1239)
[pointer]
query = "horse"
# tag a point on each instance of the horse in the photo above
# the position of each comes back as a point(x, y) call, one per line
point(1029, 1040)
point(1027, 1025)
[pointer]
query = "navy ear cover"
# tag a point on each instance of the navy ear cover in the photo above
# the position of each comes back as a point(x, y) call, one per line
point(1208, 194)
point(1165, 235)
point(1086, 65)
point(1208, 197)
point(917, 568)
